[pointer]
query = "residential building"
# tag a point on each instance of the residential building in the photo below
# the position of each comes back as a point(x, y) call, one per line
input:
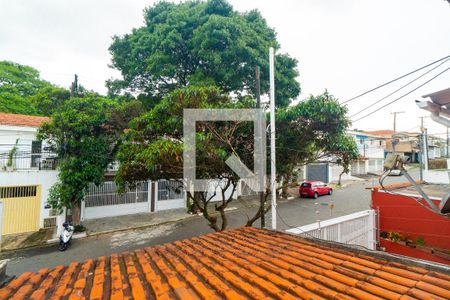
point(439, 107)
point(371, 148)
point(27, 172)
point(243, 263)
point(406, 143)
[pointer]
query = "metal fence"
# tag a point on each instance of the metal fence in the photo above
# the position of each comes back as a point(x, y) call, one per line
point(357, 229)
point(25, 160)
point(170, 190)
point(107, 194)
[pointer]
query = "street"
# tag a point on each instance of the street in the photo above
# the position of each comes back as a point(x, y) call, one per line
point(291, 213)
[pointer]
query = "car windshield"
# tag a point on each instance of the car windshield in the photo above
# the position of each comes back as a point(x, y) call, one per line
point(306, 184)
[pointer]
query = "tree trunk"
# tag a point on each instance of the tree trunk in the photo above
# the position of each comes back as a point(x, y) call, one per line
point(76, 213)
point(285, 186)
point(340, 175)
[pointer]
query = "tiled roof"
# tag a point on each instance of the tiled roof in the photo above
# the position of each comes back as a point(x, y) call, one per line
point(381, 132)
point(22, 120)
point(244, 263)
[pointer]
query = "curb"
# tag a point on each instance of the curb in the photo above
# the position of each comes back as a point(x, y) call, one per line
point(52, 242)
point(93, 234)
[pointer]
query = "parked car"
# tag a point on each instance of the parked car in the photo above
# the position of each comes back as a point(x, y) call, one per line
point(395, 172)
point(314, 189)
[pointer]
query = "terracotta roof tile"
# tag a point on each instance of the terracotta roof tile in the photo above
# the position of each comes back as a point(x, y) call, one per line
point(22, 120)
point(244, 263)
point(380, 132)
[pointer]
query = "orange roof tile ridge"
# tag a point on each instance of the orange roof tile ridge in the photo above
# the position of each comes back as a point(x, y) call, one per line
point(207, 275)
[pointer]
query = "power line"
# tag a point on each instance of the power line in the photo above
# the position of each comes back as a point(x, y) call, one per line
point(400, 88)
point(402, 96)
point(393, 80)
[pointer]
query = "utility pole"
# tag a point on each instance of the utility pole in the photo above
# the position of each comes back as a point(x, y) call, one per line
point(74, 87)
point(395, 128)
point(421, 146)
point(395, 119)
point(447, 144)
point(258, 105)
point(273, 169)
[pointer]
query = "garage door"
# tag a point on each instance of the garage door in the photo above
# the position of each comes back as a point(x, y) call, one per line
point(317, 172)
point(21, 208)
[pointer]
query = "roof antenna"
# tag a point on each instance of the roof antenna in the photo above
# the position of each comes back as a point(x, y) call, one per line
point(395, 162)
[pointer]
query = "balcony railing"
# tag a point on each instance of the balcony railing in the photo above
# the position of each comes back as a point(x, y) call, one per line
point(28, 161)
point(358, 229)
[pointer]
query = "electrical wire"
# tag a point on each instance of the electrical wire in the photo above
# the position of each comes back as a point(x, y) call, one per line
point(402, 96)
point(400, 88)
point(393, 80)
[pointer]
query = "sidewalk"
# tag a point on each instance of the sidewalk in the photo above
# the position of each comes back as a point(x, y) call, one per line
point(114, 224)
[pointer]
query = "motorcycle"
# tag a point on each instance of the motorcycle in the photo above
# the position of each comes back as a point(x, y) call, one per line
point(66, 236)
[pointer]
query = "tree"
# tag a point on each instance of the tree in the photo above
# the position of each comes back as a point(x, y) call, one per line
point(311, 130)
point(23, 91)
point(153, 148)
point(346, 152)
point(199, 43)
point(84, 132)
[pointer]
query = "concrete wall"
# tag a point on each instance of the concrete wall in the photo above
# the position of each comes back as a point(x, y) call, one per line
point(437, 176)
point(335, 170)
point(9, 135)
point(402, 213)
point(32, 177)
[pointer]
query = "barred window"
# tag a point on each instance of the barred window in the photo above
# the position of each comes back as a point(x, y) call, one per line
point(18, 191)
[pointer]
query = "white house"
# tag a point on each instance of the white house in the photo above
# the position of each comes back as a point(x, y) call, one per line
point(439, 108)
point(371, 151)
point(27, 171)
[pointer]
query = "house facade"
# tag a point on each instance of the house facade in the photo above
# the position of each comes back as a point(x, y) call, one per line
point(371, 148)
point(438, 104)
point(27, 172)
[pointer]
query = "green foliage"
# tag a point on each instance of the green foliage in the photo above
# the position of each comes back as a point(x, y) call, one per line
point(22, 91)
point(420, 241)
point(312, 129)
point(202, 43)
point(85, 133)
point(11, 154)
point(153, 147)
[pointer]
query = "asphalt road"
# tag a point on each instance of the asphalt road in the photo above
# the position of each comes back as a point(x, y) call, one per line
point(291, 213)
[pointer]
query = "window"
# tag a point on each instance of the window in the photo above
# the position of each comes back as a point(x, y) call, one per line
point(36, 150)
point(17, 191)
point(307, 185)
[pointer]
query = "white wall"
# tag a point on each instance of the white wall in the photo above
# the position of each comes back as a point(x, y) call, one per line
point(32, 177)
point(215, 185)
point(335, 170)
point(436, 176)
point(9, 135)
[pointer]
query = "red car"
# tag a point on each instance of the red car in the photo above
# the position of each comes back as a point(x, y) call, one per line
point(314, 189)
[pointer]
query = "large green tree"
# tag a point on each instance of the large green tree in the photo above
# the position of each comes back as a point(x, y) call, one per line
point(311, 130)
point(23, 91)
point(201, 43)
point(85, 133)
point(153, 147)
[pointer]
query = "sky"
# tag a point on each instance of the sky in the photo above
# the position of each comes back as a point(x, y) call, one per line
point(346, 47)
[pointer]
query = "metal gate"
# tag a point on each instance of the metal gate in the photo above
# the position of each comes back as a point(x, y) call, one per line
point(21, 206)
point(317, 172)
point(170, 194)
point(105, 200)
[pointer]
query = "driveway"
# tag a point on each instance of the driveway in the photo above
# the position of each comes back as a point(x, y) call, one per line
point(291, 213)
